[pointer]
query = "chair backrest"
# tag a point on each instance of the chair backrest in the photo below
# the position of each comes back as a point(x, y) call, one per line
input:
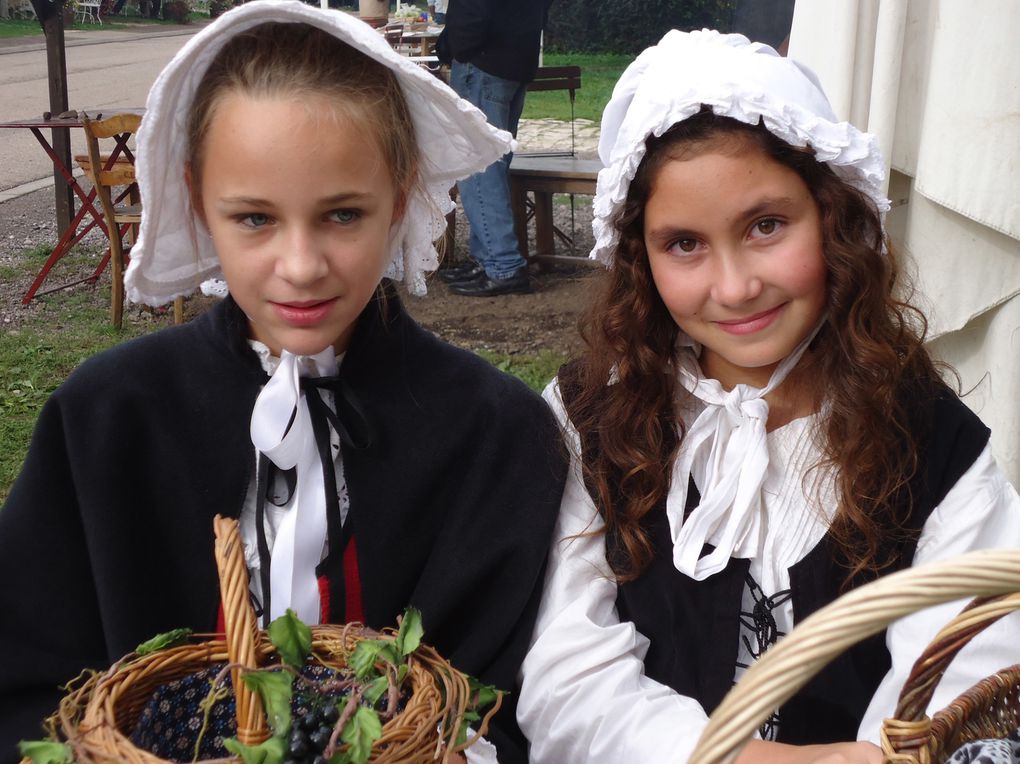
point(116, 168)
point(557, 78)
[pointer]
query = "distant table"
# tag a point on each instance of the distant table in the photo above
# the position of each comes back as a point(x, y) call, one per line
point(544, 176)
point(424, 38)
point(71, 235)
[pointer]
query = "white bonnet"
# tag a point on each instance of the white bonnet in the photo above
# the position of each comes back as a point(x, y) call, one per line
point(173, 256)
point(747, 81)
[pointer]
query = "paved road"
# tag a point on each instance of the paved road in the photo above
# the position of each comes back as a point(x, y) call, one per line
point(106, 69)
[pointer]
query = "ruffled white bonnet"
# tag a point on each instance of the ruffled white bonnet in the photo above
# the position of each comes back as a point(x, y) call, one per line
point(174, 254)
point(670, 82)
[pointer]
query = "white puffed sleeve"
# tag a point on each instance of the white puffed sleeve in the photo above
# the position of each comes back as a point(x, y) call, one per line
point(584, 695)
point(982, 511)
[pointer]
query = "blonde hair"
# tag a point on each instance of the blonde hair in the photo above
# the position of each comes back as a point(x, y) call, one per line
point(296, 60)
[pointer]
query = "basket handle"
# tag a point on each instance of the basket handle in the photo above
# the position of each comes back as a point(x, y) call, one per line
point(867, 610)
point(241, 628)
point(908, 731)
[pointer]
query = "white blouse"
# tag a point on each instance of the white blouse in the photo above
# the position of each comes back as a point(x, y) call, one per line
point(584, 695)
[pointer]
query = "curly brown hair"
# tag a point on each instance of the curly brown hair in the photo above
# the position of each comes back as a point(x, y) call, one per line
point(864, 360)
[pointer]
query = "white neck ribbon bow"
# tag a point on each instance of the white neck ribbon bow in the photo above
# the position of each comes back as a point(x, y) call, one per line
point(726, 453)
point(301, 535)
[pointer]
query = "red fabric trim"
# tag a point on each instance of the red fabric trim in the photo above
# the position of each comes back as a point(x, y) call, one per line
point(323, 582)
point(352, 584)
point(221, 620)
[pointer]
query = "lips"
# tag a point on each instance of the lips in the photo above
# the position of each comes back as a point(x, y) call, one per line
point(751, 324)
point(304, 312)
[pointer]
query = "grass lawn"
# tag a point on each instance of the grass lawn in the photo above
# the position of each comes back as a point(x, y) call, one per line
point(31, 27)
point(599, 73)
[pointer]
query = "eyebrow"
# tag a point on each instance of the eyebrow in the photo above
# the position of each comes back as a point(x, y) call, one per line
point(668, 233)
point(342, 198)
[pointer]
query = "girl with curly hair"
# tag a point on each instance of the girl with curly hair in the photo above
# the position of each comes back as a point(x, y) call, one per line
point(756, 426)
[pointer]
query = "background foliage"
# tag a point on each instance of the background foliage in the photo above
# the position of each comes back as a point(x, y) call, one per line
point(628, 26)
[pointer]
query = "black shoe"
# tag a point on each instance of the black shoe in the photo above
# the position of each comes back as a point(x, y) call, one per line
point(466, 271)
point(483, 286)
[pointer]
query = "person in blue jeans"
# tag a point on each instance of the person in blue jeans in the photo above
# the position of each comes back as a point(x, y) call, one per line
point(492, 48)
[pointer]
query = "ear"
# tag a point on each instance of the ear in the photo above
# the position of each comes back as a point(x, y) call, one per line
point(195, 192)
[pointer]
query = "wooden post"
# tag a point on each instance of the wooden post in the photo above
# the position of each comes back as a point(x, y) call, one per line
point(56, 68)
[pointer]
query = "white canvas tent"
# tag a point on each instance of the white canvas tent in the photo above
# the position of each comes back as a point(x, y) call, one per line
point(938, 81)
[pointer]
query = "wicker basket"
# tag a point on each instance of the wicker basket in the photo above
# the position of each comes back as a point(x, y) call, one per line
point(97, 717)
point(788, 666)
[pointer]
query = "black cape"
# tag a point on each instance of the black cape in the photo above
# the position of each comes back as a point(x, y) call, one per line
point(106, 537)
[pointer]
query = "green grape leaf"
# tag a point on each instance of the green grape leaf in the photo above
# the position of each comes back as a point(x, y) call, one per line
point(482, 694)
point(45, 752)
point(368, 652)
point(411, 631)
point(275, 689)
point(272, 751)
point(292, 638)
point(377, 689)
point(361, 730)
point(163, 641)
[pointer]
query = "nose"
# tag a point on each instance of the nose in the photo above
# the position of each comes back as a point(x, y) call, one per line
point(737, 280)
point(303, 258)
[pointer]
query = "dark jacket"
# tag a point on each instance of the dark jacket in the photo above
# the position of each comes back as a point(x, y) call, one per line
point(500, 38)
point(693, 626)
point(106, 538)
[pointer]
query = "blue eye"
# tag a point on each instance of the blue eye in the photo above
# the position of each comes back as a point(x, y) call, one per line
point(254, 220)
point(344, 216)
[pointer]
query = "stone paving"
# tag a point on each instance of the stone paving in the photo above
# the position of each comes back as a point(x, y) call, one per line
point(546, 134)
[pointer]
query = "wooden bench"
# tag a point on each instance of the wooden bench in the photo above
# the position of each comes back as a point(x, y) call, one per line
point(544, 176)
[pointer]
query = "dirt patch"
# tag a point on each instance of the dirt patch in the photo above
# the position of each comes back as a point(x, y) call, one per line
point(544, 320)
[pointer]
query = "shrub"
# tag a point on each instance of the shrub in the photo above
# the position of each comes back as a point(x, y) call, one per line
point(176, 11)
point(628, 26)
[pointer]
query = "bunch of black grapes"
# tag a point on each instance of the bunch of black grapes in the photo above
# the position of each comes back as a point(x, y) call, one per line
point(310, 735)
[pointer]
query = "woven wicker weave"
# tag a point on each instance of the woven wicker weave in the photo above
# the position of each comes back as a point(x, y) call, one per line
point(97, 717)
point(784, 669)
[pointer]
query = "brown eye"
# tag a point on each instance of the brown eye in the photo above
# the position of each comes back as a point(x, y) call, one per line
point(767, 226)
point(686, 245)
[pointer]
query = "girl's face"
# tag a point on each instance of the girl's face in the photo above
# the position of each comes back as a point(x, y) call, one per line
point(734, 241)
point(299, 203)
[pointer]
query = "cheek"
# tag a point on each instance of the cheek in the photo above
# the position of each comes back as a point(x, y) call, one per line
point(680, 291)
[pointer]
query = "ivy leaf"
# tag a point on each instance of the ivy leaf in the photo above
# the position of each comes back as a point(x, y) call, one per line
point(275, 689)
point(361, 730)
point(411, 631)
point(45, 752)
point(163, 641)
point(292, 638)
point(272, 751)
point(368, 652)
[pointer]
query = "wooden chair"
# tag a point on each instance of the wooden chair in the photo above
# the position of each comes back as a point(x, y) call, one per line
point(109, 171)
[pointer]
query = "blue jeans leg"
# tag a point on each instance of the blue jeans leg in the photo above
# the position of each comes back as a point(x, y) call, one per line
point(486, 195)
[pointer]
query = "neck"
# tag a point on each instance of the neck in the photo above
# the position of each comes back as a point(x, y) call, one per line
point(796, 397)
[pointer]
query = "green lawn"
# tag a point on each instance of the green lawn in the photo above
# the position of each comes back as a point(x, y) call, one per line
point(31, 27)
point(599, 73)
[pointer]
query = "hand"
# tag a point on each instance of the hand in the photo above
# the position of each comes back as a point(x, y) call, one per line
point(761, 752)
point(456, 758)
